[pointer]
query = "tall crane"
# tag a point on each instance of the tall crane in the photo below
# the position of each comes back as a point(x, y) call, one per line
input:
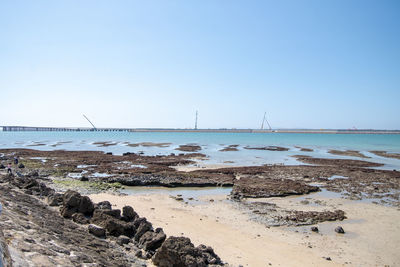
point(94, 127)
point(265, 120)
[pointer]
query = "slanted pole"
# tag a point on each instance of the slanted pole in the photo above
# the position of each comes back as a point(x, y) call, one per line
point(94, 127)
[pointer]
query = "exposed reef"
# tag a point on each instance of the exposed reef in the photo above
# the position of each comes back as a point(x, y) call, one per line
point(337, 162)
point(352, 153)
point(189, 148)
point(270, 148)
point(249, 187)
point(230, 148)
point(386, 154)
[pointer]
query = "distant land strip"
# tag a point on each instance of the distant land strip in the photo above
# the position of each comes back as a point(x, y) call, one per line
point(221, 130)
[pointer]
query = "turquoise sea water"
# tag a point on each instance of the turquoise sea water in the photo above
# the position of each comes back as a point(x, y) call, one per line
point(211, 143)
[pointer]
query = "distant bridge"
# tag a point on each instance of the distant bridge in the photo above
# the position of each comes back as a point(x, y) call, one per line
point(87, 129)
point(221, 130)
point(60, 129)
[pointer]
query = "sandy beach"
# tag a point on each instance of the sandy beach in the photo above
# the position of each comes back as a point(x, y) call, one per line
point(370, 238)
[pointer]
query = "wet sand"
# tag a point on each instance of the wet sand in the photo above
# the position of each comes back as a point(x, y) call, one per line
point(370, 239)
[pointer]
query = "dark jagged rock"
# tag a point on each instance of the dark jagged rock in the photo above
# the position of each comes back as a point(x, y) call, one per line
point(67, 212)
point(103, 213)
point(114, 226)
point(121, 240)
point(104, 205)
point(314, 229)
point(55, 199)
point(30, 186)
point(142, 226)
point(128, 214)
point(97, 230)
point(179, 251)
point(86, 206)
point(71, 198)
point(209, 254)
point(152, 240)
point(73, 202)
point(2, 166)
point(80, 218)
point(21, 166)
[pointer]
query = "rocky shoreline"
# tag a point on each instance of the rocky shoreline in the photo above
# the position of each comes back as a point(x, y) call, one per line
point(37, 234)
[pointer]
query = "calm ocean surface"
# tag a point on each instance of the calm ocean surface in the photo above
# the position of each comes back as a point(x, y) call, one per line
point(211, 144)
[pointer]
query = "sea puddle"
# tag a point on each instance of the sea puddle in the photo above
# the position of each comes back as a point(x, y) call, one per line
point(337, 177)
point(42, 159)
point(85, 166)
point(190, 195)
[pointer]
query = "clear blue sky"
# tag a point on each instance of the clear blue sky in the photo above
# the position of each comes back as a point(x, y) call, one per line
point(311, 64)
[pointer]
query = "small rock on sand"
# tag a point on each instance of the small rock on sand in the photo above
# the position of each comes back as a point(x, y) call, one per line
point(339, 230)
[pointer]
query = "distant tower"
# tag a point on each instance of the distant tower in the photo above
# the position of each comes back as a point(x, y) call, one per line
point(195, 124)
